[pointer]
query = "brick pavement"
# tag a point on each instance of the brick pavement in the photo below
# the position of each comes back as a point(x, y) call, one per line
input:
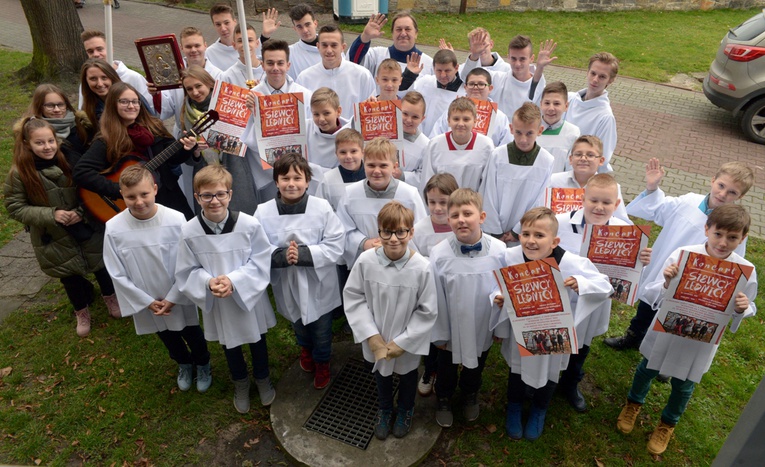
point(691, 136)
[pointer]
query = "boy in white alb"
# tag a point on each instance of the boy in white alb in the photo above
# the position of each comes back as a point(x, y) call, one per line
point(589, 289)
point(353, 81)
point(463, 265)
point(363, 200)
point(236, 74)
point(222, 52)
point(277, 63)
point(478, 86)
point(559, 135)
point(683, 219)
point(440, 88)
point(428, 233)
point(325, 122)
point(590, 109)
point(415, 142)
point(306, 240)
point(517, 176)
point(223, 267)
point(394, 332)
point(304, 53)
point(349, 148)
point(525, 83)
point(140, 248)
point(461, 152)
point(684, 359)
point(601, 200)
point(585, 159)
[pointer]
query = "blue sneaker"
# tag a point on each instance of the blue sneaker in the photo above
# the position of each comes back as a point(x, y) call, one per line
point(204, 377)
point(535, 424)
point(382, 423)
point(184, 376)
point(403, 422)
point(513, 421)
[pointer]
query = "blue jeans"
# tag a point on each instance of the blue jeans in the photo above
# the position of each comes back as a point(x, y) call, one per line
point(407, 388)
point(316, 337)
point(238, 367)
point(678, 398)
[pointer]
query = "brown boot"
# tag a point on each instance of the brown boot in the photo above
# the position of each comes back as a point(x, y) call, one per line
point(660, 437)
point(626, 421)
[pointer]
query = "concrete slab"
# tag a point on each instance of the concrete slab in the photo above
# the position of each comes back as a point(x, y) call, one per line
point(297, 399)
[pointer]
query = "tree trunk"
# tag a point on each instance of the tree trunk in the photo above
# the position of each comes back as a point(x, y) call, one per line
point(57, 50)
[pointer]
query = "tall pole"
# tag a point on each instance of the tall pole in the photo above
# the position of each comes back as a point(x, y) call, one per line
point(108, 31)
point(246, 43)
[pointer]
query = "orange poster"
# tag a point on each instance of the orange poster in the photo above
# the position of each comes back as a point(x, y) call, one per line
point(279, 115)
point(486, 113)
point(562, 200)
point(230, 105)
point(225, 136)
point(532, 289)
point(708, 281)
point(379, 119)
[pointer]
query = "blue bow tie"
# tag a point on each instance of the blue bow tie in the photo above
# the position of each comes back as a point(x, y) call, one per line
point(466, 249)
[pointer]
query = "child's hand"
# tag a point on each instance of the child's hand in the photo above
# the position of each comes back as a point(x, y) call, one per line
point(669, 273)
point(443, 45)
point(378, 347)
point(292, 253)
point(654, 172)
point(546, 49)
point(188, 142)
point(249, 101)
point(742, 303)
point(221, 286)
point(166, 307)
point(156, 307)
point(571, 283)
point(479, 43)
point(372, 243)
point(270, 22)
point(372, 98)
point(374, 26)
point(499, 300)
point(413, 63)
point(509, 237)
point(394, 351)
point(645, 256)
point(398, 174)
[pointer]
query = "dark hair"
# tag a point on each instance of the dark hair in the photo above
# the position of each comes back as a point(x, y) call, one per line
point(479, 72)
point(221, 8)
point(292, 160)
point(730, 217)
point(273, 45)
point(297, 12)
point(328, 29)
point(556, 87)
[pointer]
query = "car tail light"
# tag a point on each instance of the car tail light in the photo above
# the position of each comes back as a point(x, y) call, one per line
point(743, 53)
point(721, 82)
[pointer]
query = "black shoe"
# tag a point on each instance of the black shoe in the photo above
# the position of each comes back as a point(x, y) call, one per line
point(662, 378)
point(628, 341)
point(116, 4)
point(574, 397)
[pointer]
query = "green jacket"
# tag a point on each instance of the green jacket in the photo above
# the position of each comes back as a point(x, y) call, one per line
point(57, 251)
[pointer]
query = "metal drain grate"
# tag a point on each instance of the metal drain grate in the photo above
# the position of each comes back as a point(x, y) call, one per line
point(348, 409)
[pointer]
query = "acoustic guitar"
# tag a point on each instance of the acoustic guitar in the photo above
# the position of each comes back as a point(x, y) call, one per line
point(104, 208)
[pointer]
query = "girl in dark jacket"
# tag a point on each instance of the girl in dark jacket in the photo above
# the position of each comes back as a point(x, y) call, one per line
point(73, 128)
point(40, 194)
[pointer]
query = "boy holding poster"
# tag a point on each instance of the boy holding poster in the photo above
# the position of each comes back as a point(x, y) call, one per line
point(463, 265)
point(390, 301)
point(600, 202)
point(686, 359)
point(585, 159)
point(683, 219)
point(388, 80)
point(517, 175)
point(589, 289)
point(326, 120)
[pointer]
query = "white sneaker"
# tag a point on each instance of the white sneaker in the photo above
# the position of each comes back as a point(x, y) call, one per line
point(425, 385)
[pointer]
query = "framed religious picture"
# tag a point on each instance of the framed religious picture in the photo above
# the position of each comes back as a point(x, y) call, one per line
point(162, 61)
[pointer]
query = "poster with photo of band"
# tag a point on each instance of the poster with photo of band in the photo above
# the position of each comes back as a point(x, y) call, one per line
point(280, 126)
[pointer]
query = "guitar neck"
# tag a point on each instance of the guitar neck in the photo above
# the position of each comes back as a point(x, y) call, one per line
point(163, 156)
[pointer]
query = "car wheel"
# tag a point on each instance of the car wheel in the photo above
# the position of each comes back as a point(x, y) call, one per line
point(753, 121)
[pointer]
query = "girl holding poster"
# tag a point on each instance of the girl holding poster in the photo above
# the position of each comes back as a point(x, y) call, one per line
point(723, 288)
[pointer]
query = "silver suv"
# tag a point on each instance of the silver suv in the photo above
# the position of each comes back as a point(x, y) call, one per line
point(736, 79)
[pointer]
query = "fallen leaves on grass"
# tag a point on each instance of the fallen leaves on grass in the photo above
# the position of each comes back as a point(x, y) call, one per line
point(491, 428)
point(5, 372)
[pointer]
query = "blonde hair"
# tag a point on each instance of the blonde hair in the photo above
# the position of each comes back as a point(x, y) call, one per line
point(602, 181)
point(380, 148)
point(607, 59)
point(739, 172)
point(212, 175)
point(135, 174)
point(394, 215)
point(528, 113)
point(349, 135)
point(463, 196)
point(462, 104)
point(389, 64)
point(540, 213)
point(592, 140)
point(325, 96)
point(415, 98)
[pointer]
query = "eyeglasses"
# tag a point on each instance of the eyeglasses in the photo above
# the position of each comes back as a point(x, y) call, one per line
point(51, 105)
point(386, 234)
point(128, 103)
point(584, 155)
point(474, 85)
point(220, 196)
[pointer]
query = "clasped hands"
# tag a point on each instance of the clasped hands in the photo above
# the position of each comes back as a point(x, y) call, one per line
point(382, 350)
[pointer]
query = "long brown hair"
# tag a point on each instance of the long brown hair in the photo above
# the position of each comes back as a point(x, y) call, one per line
point(35, 109)
point(24, 162)
point(113, 129)
point(89, 98)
